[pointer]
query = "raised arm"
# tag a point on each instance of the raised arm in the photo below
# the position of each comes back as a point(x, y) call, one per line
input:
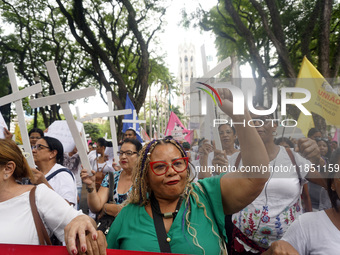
point(241, 188)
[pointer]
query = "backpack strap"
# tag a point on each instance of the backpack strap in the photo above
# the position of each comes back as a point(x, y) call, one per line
point(238, 159)
point(59, 171)
point(292, 158)
point(110, 187)
point(44, 239)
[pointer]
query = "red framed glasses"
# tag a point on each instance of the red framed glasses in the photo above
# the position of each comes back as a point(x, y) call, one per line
point(161, 167)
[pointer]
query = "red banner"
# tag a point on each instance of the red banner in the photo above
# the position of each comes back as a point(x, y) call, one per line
point(19, 249)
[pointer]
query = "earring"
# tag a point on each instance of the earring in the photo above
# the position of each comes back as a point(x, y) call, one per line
point(274, 133)
point(6, 175)
point(332, 188)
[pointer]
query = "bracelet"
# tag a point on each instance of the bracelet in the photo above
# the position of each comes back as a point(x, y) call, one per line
point(89, 189)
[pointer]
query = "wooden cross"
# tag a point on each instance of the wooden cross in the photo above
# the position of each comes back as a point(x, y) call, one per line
point(111, 115)
point(63, 98)
point(134, 120)
point(17, 97)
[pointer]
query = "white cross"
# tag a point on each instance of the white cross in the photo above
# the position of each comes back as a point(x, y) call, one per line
point(210, 115)
point(84, 138)
point(111, 115)
point(134, 120)
point(16, 97)
point(63, 98)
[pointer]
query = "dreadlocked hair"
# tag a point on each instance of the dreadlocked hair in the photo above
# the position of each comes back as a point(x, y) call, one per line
point(140, 190)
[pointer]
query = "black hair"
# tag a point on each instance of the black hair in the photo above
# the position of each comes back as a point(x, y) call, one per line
point(329, 152)
point(285, 140)
point(135, 142)
point(55, 144)
point(232, 127)
point(102, 142)
point(36, 130)
point(131, 129)
point(333, 196)
point(312, 131)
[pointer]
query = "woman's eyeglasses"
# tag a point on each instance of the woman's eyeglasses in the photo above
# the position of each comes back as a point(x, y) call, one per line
point(39, 147)
point(127, 153)
point(161, 167)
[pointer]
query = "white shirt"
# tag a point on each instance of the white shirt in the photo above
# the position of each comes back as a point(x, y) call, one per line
point(16, 221)
point(63, 184)
point(314, 233)
point(268, 217)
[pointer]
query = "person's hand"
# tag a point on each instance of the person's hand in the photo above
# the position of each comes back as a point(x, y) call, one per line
point(309, 149)
point(81, 236)
point(227, 101)
point(8, 135)
point(115, 165)
point(205, 148)
point(220, 158)
point(85, 178)
point(38, 177)
point(281, 248)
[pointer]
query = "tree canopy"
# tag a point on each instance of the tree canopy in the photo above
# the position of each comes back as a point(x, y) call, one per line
point(274, 36)
point(105, 44)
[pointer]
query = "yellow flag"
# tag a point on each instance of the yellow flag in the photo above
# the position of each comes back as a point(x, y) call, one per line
point(17, 134)
point(324, 99)
point(305, 123)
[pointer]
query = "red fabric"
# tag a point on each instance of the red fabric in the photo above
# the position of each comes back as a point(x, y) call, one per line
point(237, 248)
point(15, 249)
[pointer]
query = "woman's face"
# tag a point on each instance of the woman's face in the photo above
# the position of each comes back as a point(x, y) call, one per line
point(323, 147)
point(41, 152)
point(126, 161)
point(266, 128)
point(227, 136)
point(34, 137)
point(170, 185)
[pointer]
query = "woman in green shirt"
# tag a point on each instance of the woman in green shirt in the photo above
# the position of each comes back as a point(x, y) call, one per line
point(168, 213)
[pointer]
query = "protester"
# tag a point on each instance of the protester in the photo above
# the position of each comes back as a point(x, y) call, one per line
point(35, 134)
point(325, 148)
point(334, 145)
point(314, 190)
point(48, 154)
point(97, 201)
point(316, 232)
point(268, 217)
point(91, 147)
point(191, 216)
point(228, 138)
point(100, 164)
point(17, 224)
point(72, 162)
point(307, 203)
point(130, 133)
point(314, 134)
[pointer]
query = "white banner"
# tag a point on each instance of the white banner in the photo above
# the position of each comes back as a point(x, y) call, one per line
point(60, 130)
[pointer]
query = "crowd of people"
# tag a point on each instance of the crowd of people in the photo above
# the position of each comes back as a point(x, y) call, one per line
point(157, 199)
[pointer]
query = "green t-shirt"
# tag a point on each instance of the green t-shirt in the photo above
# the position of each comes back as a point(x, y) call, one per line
point(134, 229)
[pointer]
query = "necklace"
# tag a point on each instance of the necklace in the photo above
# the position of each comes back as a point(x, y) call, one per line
point(168, 215)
